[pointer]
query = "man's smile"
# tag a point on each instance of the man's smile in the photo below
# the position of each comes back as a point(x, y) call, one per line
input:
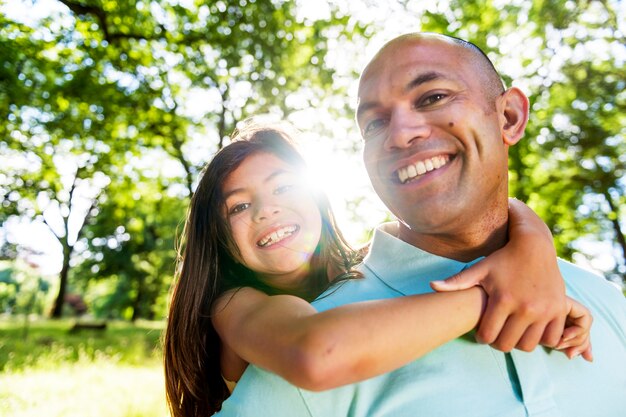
point(412, 171)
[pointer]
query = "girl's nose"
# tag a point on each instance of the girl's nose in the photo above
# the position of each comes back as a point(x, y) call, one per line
point(265, 212)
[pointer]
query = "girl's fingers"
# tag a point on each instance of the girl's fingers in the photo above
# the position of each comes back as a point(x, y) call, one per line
point(492, 322)
point(587, 354)
point(553, 334)
point(531, 338)
point(583, 349)
point(465, 279)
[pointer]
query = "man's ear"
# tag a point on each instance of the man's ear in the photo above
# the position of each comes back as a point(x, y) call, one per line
point(513, 110)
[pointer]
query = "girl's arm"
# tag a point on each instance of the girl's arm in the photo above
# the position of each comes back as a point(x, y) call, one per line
point(318, 351)
point(527, 303)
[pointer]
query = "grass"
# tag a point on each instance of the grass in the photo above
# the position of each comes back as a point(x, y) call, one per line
point(52, 372)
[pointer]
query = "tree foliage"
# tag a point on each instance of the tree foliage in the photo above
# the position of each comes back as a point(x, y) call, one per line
point(92, 92)
point(570, 166)
point(109, 109)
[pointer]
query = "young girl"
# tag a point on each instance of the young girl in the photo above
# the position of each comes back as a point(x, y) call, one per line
point(259, 244)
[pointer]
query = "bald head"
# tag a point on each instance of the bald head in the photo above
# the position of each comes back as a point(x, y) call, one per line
point(478, 60)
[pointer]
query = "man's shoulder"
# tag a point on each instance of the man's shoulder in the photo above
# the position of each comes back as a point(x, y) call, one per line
point(364, 288)
point(578, 278)
point(604, 298)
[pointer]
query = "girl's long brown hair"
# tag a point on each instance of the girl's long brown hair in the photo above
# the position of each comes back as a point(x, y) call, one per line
point(207, 268)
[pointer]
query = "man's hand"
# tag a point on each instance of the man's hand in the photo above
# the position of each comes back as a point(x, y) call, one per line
point(527, 303)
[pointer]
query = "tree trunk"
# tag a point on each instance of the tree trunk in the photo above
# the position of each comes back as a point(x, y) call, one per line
point(178, 151)
point(221, 123)
point(57, 310)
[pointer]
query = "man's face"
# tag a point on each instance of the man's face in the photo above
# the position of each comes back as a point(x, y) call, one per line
point(434, 149)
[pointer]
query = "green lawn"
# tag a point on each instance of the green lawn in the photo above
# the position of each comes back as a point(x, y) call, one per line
point(53, 372)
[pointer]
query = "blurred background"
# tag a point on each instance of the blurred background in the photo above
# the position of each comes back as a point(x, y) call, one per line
point(109, 109)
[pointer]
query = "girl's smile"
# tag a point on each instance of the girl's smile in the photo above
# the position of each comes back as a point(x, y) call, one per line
point(274, 219)
point(278, 235)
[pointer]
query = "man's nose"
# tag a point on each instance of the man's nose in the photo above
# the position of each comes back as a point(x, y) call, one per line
point(405, 128)
point(265, 210)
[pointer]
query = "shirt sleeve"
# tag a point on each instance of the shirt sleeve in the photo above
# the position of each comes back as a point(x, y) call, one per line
point(262, 394)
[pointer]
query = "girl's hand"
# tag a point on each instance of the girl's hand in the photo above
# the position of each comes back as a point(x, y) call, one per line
point(527, 303)
point(576, 336)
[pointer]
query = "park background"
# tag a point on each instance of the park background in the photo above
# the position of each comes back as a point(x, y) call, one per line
point(109, 110)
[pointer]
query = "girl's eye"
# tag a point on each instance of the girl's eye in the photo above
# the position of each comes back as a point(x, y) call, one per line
point(238, 208)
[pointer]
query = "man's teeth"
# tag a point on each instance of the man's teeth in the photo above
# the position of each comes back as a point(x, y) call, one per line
point(421, 167)
point(277, 235)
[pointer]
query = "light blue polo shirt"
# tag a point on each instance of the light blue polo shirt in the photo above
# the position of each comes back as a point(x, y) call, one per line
point(460, 378)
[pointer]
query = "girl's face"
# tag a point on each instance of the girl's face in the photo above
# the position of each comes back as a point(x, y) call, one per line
point(274, 219)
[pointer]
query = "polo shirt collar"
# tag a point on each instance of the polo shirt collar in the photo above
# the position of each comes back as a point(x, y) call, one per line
point(404, 267)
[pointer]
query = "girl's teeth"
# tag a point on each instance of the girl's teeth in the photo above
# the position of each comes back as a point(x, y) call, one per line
point(277, 236)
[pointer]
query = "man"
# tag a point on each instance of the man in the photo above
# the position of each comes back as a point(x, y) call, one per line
point(437, 125)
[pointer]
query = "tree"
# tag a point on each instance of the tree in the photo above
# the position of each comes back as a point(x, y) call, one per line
point(56, 145)
point(101, 84)
point(572, 169)
point(131, 245)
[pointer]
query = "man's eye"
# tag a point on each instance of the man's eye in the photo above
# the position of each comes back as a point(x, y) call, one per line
point(284, 188)
point(238, 208)
point(431, 99)
point(374, 126)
